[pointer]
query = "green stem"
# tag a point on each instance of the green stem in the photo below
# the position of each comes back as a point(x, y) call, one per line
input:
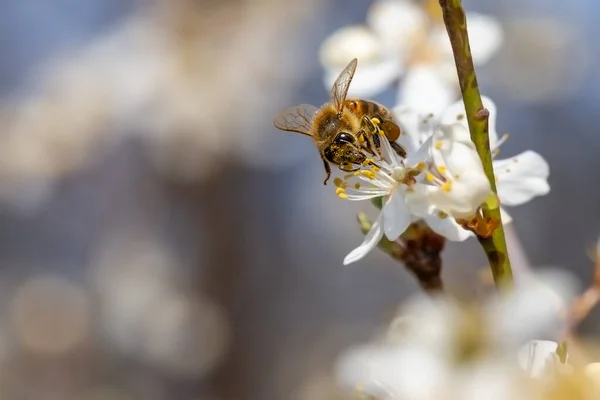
point(477, 116)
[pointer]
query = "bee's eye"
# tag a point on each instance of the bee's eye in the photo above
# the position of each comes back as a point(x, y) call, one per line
point(344, 137)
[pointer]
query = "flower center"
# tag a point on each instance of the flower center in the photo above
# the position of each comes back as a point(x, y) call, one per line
point(439, 178)
point(399, 173)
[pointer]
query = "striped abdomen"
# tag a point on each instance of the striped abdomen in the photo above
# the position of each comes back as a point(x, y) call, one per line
point(375, 110)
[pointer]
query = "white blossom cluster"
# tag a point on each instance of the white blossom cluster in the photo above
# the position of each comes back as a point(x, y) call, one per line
point(442, 349)
point(442, 178)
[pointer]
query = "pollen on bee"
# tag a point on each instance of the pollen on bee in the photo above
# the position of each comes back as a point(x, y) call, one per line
point(375, 121)
point(439, 144)
point(430, 177)
point(361, 139)
point(442, 169)
point(447, 186)
point(367, 162)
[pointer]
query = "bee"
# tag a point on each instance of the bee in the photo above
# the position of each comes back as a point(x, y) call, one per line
point(343, 129)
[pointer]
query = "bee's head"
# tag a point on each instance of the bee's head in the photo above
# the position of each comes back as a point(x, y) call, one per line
point(344, 149)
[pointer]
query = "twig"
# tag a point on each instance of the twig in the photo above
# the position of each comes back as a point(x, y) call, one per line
point(418, 249)
point(477, 117)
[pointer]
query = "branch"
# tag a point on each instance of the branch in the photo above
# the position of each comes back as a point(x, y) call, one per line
point(418, 249)
point(494, 246)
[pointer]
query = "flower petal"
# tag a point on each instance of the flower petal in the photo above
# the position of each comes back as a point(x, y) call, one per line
point(388, 153)
point(396, 216)
point(485, 37)
point(415, 127)
point(521, 178)
point(533, 310)
point(418, 202)
point(534, 355)
point(422, 154)
point(392, 372)
point(343, 45)
point(466, 185)
point(506, 218)
point(369, 80)
point(426, 90)
point(397, 23)
point(448, 228)
point(377, 68)
point(371, 240)
point(456, 113)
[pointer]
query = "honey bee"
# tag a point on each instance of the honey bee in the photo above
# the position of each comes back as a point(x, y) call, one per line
point(343, 129)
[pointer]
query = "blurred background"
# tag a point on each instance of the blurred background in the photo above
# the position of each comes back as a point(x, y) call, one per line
point(160, 239)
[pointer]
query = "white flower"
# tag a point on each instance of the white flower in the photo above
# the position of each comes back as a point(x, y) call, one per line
point(423, 354)
point(402, 37)
point(439, 182)
point(377, 67)
point(466, 187)
point(518, 179)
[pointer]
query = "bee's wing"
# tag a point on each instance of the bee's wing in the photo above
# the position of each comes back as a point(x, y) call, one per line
point(296, 119)
point(341, 85)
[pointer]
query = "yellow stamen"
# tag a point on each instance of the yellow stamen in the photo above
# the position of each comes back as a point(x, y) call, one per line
point(420, 166)
point(357, 186)
point(338, 182)
point(442, 169)
point(368, 174)
point(438, 144)
point(339, 191)
point(375, 168)
point(430, 177)
point(447, 187)
point(368, 161)
point(442, 215)
point(375, 121)
point(342, 195)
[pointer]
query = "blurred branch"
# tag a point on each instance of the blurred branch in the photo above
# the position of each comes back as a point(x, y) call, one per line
point(456, 24)
point(579, 310)
point(583, 305)
point(216, 218)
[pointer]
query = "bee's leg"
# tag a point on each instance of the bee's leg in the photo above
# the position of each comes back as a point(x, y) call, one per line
point(327, 171)
point(373, 136)
point(366, 142)
point(398, 149)
point(369, 124)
